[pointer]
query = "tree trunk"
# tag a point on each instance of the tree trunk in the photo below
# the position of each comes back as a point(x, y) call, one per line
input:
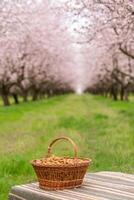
point(4, 94)
point(16, 100)
point(25, 96)
point(5, 100)
point(122, 94)
point(114, 94)
point(35, 95)
point(126, 95)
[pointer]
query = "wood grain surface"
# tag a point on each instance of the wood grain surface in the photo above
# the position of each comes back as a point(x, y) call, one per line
point(96, 186)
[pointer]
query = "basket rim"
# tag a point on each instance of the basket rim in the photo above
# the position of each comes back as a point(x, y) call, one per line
point(86, 162)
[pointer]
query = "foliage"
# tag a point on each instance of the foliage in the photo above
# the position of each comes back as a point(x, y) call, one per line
point(52, 47)
point(33, 59)
point(107, 35)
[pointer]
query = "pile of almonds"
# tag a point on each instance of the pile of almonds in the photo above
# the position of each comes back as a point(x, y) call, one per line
point(59, 161)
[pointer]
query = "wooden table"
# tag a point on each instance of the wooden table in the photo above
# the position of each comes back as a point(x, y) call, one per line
point(96, 186)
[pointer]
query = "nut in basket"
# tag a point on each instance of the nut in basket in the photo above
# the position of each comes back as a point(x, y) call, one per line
point(58, 173)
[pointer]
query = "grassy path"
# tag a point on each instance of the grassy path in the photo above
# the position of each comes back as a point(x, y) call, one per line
point(103, 130)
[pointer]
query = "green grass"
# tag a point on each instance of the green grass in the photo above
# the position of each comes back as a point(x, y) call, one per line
point(102, 129)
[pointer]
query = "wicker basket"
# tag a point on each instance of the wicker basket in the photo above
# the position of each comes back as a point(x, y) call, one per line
point(61, 177)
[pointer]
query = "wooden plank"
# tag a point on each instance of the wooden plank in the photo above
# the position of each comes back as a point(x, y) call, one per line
point(96, 186)
point(116, 173)
point(111, 179)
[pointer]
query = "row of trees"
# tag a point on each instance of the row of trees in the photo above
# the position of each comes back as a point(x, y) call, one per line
point(39, 58)
point(115, 80)
point(108, 30)
point(116, 75)
point(35, 54)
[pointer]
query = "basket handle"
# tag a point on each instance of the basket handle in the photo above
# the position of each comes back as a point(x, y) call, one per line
point(63, 138)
